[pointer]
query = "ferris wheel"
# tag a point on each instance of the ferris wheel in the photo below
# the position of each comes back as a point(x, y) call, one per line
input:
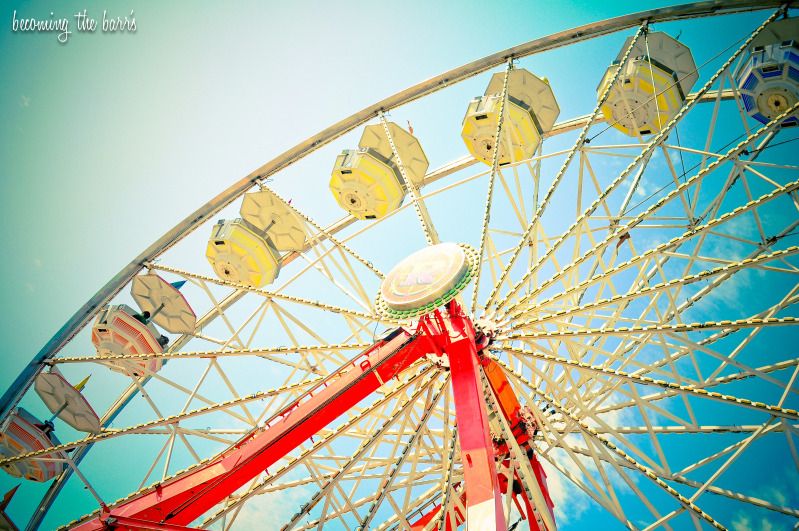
point(590, 316)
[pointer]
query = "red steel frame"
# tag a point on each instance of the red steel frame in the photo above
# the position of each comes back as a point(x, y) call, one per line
point(175, 503)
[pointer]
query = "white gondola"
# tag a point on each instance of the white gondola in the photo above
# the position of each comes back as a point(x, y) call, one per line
point(530, 112)
point(66, 402)
point(24, 434)
point(269, 214)
point(367, 182)
point(238, 253)
point(165, 304)
point(117, 330)
point(768, 79)
point(652, 85)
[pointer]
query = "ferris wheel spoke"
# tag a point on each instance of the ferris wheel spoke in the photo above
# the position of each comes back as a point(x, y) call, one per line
point(600, 455)
point(324, 234)
point(209, 434)
point(173, 426)
point(672, 354)
point(165, 421)
point(760, 372)
point(351, 287)
point(738, 101)
point(575, 469)
point(681, 429)
point(756, 429)
point(183, 389)
point(598, 249)
point(692, 347)
point(727, 493)
point(729, 267)
point(744, 444)
point(229, 385)
point(170, 441)
point(597, 388)
point(645, 380)
point(695, 180)
point(657, 328)
point(269, 295)
point(494, 259)
point(399, 520)
point(752, 165)
point(642, 260)
point(341, 507)
point(491, 179)
point(413, 479)
point(762, 429)
point(728, 359)
point(733, 452)
point(587, 168)
point(541, 206)
point(446, 488)
point(580, 406)
point(363, 331)
point(612, 506)
point(684, 197)
point(429, 231)
point(352, 277)
point(754, 259)
point(420, 379)
point(516, 196)
point(220, 312)
point(789, 299)
point(397, 516)
point(404, 454)
point(214, 354)
point(286, 320)
point(496, 263)
point(284, 316)
point(790, 432)
point(326, 488)
point(230, 518)
point(584, 405)
point(620, 455)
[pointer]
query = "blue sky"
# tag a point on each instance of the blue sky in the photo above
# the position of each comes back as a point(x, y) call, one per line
point(110, 139)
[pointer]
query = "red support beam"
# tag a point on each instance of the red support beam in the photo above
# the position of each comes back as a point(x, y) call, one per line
point(182, 499)
point(123, 523)
point(455, 513)
point(179, 501)
point(483, 496)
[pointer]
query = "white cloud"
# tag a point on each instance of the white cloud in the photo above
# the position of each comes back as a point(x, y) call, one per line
point(744, 522)
point(271, 510)
point(570, 502)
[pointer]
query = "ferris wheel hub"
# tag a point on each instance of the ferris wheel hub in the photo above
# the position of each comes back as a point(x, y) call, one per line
point(486, 329)
point(427, 279)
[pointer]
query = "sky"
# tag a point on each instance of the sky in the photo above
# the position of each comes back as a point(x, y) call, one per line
point(110, 139)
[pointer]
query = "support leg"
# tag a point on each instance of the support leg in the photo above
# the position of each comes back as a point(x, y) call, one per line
point(483, 497)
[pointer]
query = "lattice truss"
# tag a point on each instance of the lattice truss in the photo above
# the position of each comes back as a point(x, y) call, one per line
point(645, 295)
